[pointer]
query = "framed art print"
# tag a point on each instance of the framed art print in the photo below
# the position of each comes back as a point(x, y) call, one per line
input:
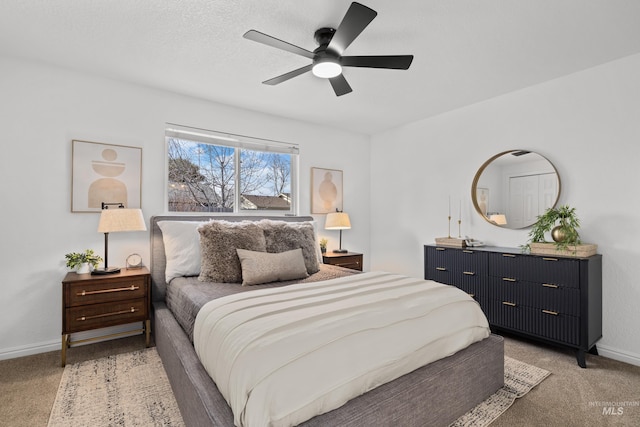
point(104, 173)
point(326, 190)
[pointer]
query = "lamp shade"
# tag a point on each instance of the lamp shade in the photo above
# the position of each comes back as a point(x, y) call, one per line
point(337, 221)
point(115, 220)
point(500, 219)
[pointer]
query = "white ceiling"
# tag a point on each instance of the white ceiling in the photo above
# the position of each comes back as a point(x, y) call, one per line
point(465, 51)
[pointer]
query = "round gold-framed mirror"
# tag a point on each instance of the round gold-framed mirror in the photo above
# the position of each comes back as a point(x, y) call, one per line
point(512, 188)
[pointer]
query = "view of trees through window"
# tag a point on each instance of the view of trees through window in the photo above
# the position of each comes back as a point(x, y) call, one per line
point(202, 178)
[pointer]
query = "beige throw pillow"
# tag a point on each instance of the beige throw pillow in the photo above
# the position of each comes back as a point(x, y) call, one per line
point(264, 267)
point(218, 243)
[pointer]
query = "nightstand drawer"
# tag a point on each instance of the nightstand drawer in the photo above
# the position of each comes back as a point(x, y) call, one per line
point(348, 260)
point(93, 292)
point(353, 262)
point(104, 315)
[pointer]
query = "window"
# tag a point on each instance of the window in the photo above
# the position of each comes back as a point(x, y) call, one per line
point(213, 172)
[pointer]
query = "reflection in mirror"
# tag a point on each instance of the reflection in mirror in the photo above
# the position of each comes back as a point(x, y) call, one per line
point(512, 188)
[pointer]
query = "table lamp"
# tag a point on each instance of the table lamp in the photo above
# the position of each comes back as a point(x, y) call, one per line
point(338, 221)
point(113, 221)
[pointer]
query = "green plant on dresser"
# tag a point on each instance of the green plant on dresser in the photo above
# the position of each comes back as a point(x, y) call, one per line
point(561, 222)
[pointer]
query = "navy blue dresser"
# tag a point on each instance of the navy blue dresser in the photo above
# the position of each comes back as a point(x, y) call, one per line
point(553, 299)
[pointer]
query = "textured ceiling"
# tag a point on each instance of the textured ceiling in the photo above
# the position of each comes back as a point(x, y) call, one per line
point(465, 51)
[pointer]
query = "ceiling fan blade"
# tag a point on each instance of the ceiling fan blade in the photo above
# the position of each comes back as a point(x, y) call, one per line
point(396, 62)
point(340, 85)
point(355, 20)
point(287, 76)
point(259, 37)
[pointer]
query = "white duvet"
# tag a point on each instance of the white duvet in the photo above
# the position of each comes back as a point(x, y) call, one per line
point(281, 356)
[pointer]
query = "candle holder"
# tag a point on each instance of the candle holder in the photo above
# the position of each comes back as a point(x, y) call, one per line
point(452, 241)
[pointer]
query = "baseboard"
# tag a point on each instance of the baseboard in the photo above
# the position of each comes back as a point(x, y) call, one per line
point(55, 345)
point(619, 355)
point(27, 350)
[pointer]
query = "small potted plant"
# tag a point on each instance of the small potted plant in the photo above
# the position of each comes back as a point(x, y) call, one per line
point(323, 245)
point(83, 262)
point(562, 223)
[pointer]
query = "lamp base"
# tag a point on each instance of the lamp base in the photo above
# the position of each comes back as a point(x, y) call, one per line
point(340, 251)
point(110, 270)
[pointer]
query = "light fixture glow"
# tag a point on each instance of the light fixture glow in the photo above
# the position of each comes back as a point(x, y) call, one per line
point(499, 219)
point(326, 69)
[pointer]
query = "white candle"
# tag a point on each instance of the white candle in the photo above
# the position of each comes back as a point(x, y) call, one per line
point(460, 214)
point(449, 206)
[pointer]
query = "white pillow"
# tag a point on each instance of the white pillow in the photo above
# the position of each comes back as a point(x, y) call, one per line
point(265, 267)
point(181, 247)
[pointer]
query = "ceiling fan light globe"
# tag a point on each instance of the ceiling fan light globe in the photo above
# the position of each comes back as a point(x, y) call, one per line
point(326, 69)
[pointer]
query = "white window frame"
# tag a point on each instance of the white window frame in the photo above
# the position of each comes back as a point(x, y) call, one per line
point(239, 142)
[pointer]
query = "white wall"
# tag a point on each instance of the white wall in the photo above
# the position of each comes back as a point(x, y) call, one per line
point(43, 108)
point(585, 123)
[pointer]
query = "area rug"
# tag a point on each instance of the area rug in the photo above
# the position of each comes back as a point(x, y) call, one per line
point(132, 389)
point(128, 389)
point(519, 379)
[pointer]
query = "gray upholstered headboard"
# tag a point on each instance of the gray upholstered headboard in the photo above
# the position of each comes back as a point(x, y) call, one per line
point(158, 260)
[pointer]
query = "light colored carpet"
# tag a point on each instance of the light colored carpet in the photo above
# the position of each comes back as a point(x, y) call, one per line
point(519, 379)
point(129, 389)
point(132, 389)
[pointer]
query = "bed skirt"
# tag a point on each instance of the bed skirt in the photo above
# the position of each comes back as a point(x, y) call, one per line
point(436, 394)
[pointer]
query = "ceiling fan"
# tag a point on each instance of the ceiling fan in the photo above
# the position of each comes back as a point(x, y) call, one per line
point(327, 60)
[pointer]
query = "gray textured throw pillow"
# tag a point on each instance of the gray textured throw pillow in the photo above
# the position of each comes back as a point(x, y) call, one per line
point(218, 243)
point(281, 236)
point(265, 267)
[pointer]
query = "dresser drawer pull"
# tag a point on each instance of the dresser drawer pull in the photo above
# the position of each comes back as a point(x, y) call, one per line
point(472, 295)
point(469, 273)
point(554, 313)
point(108, 291)
point(510, 304)
point(440, 249)
point(115, 313)
point(508, 255)
point(550, 259)
point(550, 285)
point(508, 279)
point(441, 269)
point(467, 251)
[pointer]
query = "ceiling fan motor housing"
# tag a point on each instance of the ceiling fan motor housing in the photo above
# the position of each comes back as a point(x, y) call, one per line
point(326, 63)
point(323, 36)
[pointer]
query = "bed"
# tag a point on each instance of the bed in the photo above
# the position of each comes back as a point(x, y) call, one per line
point(435, 394)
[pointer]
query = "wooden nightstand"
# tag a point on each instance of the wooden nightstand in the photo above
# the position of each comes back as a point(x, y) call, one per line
point(351, 260)
point(93, 302)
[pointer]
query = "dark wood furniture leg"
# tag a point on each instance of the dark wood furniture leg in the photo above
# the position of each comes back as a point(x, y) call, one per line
point(65, 345)
point(147, 330)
